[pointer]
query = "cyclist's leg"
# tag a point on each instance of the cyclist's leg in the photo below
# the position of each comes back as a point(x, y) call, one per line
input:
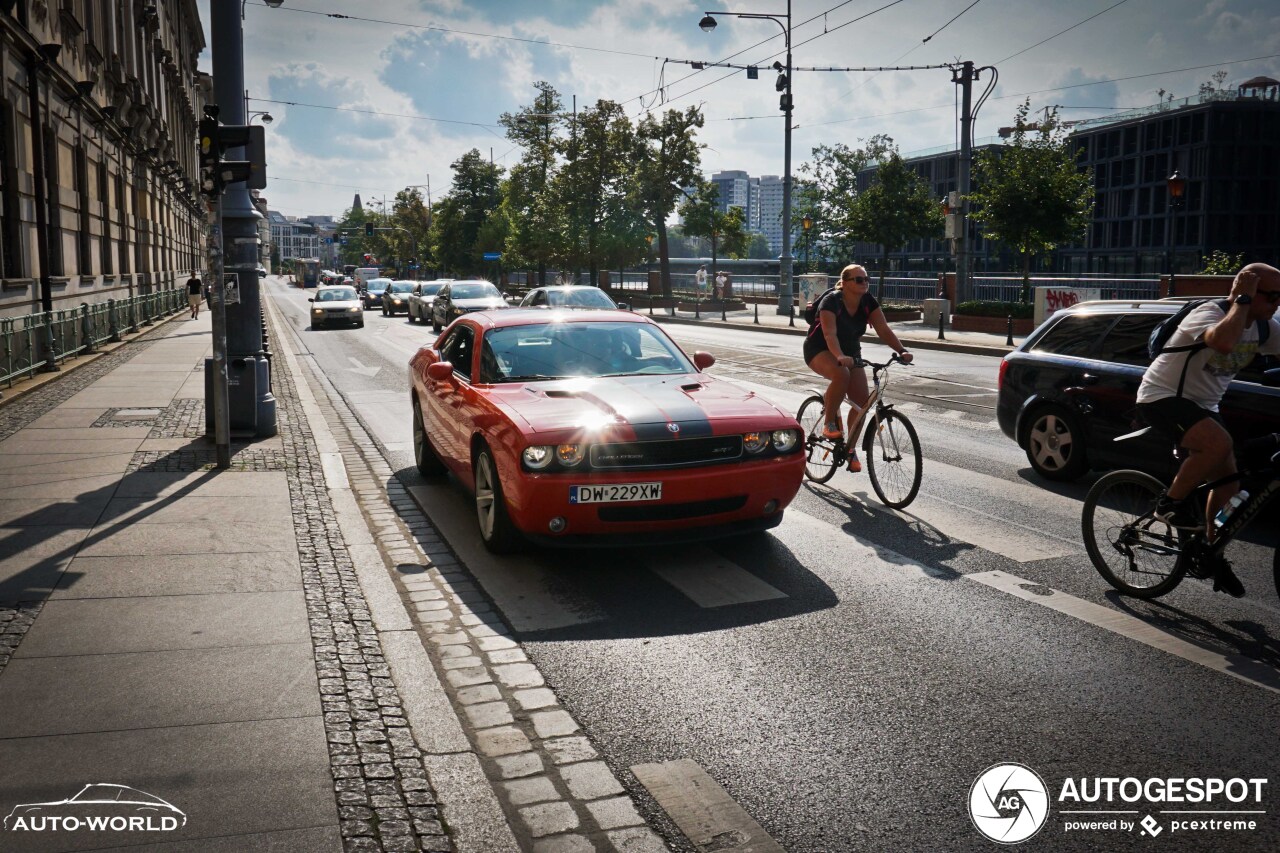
point(824, 364)
point(857, 397)
point(1209, 457)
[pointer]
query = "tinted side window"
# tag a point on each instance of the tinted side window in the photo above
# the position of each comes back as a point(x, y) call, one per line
point(457, 348)
point(1076, 335)
point(1126, 343)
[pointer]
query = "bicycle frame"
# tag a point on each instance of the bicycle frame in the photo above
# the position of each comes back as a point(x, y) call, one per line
point(874, 398)
point(1245, 513)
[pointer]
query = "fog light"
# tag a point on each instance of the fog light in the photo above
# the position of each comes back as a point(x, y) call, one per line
point(557, 524)
point(754, 442)
point(770, 507)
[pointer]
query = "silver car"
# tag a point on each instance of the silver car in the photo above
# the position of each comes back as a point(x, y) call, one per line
point(569, 296)
point(460, 297)
point(422, 297)
point(333, 305)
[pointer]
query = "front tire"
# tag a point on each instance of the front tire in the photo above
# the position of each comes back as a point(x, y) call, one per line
point(435, 324)
point(1133, 550)
point(1055, 444)
point(496, 530)
point(424, 455)
point(894, 461)
point(821, 455)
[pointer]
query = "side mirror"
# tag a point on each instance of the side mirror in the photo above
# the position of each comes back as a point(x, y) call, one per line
point(440, 370)
point(311, 300)
point(623, 306)
point(703, 360)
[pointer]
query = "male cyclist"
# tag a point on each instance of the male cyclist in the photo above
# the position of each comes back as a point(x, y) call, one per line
point(1181, 390)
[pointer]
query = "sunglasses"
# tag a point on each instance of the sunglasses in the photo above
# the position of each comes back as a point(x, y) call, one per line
point(859, 279)
point(1273, 295)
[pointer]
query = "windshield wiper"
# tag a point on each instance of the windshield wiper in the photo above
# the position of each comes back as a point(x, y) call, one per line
point(529, 376)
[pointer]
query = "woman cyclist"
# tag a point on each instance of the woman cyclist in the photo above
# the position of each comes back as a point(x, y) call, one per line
point(833, 347)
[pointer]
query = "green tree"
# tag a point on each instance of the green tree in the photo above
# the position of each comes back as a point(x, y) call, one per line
point(667, 159)
point(412, 223)
point(702, 217)
point(1030, 195)
point(830, 189)
point(474, 197)
point(896, 208)
point(594, 189)
point(1220, 263)
point(533, 225)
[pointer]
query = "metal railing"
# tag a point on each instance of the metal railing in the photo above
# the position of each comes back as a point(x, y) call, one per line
point(1009, 288)
point(23, 350)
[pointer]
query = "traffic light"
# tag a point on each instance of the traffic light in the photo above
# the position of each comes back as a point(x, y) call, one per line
point(216, 173)
point(368, 229)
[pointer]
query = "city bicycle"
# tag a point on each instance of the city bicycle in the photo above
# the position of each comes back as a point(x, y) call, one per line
point(889, 444)
point(1140, 554)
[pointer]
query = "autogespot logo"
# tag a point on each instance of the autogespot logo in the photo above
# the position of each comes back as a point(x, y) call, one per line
point(1008, 803)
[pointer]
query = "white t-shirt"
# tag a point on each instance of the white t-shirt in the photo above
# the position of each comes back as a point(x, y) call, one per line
point(1209, 372)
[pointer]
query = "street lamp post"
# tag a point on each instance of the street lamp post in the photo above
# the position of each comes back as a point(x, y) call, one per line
point(1177, 186)
point(806, 224)
point(786, 285)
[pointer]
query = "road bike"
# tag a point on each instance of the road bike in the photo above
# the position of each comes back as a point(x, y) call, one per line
point(1142, 555)
point(890, 444)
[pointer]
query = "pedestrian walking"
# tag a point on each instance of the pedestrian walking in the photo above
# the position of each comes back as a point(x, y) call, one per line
point(195, 294)
point(722, 284)
point(700, 281)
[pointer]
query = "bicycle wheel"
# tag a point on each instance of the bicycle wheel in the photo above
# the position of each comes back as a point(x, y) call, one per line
point(1137, 553)
point(894, 463)
point(821, 455)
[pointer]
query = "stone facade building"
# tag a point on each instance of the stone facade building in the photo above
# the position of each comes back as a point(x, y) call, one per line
point(99, 104)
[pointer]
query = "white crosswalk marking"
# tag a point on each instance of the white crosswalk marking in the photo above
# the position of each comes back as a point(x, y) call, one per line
point(712, 581)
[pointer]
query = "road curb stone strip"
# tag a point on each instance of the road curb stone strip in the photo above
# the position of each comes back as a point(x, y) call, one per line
point(515, 724)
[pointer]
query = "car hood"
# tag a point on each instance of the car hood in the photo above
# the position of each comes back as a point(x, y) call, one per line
point(647, 406)
point(338, 304)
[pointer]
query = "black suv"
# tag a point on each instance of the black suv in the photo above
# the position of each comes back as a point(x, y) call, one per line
point(1069, 391)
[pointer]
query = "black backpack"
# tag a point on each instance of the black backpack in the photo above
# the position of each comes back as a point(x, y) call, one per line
point(1161, 334)
point(811, 310)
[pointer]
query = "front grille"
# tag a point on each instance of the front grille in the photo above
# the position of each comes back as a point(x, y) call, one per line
point(667, 454)
point(671, 512)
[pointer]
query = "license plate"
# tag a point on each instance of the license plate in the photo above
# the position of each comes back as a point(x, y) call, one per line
point(615, 493)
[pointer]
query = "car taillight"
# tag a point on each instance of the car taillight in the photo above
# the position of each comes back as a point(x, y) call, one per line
point(1004, 366)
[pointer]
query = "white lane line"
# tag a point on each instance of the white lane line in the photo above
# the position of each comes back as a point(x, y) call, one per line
point(530, 597)
point(703, 810)
point(1237, 666)
point(712, 581)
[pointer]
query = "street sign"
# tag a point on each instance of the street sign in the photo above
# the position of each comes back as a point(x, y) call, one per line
point(493, 256)
point(328, 240)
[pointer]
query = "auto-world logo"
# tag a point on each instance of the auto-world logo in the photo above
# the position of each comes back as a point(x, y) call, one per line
point(1008, 803)
point(98, 807)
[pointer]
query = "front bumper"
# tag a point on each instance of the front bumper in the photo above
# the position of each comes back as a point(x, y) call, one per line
point(700, 502)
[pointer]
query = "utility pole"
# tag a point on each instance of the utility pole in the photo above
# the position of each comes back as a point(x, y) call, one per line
point(964, 77)
point(252, 406)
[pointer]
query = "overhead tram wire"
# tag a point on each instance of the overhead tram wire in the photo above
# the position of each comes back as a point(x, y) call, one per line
point(488, 127)
point(1067, 30)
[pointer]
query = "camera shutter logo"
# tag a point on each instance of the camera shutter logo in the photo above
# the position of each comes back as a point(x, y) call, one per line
point(1008, 803)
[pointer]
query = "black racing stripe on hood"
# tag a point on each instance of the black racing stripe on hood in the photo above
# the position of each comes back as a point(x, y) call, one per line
point(672, 406)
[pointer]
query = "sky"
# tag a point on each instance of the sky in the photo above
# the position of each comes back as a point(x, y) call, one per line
point(393, 94)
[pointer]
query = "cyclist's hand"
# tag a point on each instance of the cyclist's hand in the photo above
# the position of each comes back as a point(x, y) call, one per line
point(1246, 284)
point(846, 361)
point(906, 357)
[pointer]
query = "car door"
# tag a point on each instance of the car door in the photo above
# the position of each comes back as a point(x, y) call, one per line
point(447, 415)
point(1109, 390)
point(441, 305)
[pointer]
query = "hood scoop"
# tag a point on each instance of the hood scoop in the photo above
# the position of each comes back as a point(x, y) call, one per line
point(560, 393)
point(692, 386)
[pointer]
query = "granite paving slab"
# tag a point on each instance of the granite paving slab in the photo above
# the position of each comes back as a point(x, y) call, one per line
point(93, 693)
point(94, 397)
point(33, 558)
point(66, 486)
point(39, 443)
point(206, 483)
point(319, 839)
point(82, 511)
point(208, 535)
point(229, 510)
point(260, 776)
point(179, 574)
point(49, 465)
point(56, 434)
point(118, 625)
point(58, 418)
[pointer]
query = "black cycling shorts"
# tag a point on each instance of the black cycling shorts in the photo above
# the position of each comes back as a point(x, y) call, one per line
point(1173, 416)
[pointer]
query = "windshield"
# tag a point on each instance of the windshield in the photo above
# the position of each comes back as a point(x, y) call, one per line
point(586, 297)
point(563, 350)
point(431, 289)
point(337, 294)
point(401, 286)
point(479, 290)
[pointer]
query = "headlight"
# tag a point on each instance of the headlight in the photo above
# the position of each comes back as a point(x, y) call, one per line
point(569, 454)
point(397, 300)
point(538, 457)
point(784, 439)
point(754, 442)
point(317, 310)
point(355, 310)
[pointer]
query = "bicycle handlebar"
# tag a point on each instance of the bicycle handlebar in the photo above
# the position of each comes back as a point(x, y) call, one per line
point(894, 359)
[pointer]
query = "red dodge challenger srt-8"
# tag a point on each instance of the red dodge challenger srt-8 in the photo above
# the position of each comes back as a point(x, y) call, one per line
point(594, 428)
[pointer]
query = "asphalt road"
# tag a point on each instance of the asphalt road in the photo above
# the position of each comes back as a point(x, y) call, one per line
point(847, 676)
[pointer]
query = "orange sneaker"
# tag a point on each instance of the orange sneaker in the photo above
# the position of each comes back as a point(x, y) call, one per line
point(854, 464)
point(832, 430)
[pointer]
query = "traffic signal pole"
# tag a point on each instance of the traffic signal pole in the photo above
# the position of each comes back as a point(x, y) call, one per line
point(221, 420)
point(251, 405)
